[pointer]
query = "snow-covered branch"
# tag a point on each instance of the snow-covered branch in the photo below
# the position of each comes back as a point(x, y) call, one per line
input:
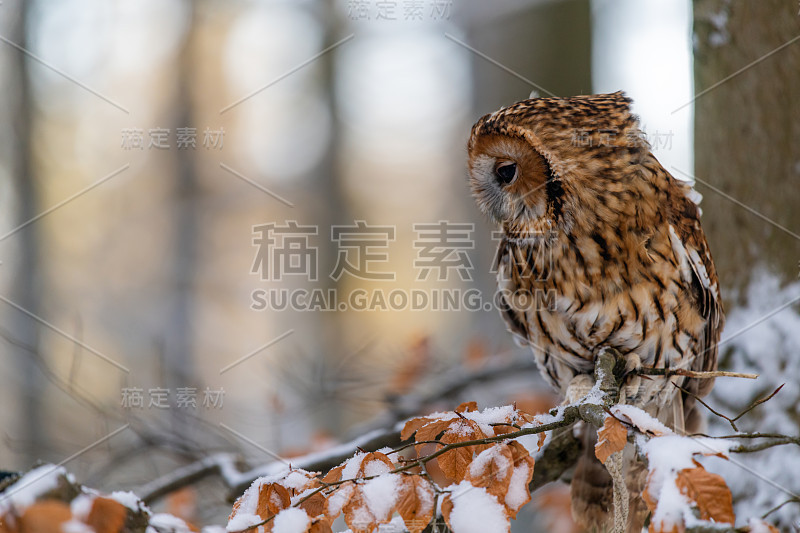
point(493, 459)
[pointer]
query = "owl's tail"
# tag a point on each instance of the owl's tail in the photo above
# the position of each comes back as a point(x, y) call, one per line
point(593, 490)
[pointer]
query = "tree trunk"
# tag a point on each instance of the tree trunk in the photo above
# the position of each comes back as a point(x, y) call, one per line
point(26, 285)
point(747, 135)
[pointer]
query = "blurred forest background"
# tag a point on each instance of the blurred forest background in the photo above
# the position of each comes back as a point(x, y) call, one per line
point(143, 144)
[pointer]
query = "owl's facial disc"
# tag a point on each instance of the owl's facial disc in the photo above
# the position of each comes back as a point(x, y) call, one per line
point(507, 177)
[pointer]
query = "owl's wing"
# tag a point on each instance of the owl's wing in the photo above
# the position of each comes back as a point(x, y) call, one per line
point(698, 273)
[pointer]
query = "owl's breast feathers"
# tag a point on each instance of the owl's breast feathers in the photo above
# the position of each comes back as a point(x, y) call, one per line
point(626, 263)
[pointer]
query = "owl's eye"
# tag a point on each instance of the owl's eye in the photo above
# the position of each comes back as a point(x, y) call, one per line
point(505, 172)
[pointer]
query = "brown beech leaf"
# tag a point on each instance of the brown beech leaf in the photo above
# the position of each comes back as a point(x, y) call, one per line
point(447, 508)
point(652, 503)
point(432, 431)
point(375, 463)
point(333, 475)
point(413, 425)
point(709, 491)
point(502, 429)
point(320, 526)
point(272, 498)
point(44, 516)
point(611, 438)
point(648, 498)
point(358, 516)
point(467, 407)
point(415, 502)
point(314, 506)
point(337, 500)
point(518, 494)
point(454, 463)
point(107, 515)
point(492, 469)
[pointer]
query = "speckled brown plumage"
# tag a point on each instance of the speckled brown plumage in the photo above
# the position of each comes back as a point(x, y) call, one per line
point(601, 247)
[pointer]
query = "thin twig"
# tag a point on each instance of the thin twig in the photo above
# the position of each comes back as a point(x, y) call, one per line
point(765, 445)
point(790, 500)
point(732, 421)
point(758, 402)
point(693, 373)
point(742, 436)
point(704, 404)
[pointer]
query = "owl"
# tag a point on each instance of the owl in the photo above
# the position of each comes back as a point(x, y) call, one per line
point(600, 247)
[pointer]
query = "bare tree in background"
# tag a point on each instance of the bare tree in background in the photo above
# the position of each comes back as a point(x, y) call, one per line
point(747, 82)
point(26, 284)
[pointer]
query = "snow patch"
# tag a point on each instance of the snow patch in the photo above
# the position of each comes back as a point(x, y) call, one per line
point(162, 523)
point(381, 494)
point(75, 526)
point(128, 499)
point(518, 494)
point(641, 419)
point(30, 487)
point(292, 520)
point(475, 510)
point(81, 506)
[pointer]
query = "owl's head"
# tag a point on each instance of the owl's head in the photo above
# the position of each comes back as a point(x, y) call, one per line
point(511, 181)
point(532, 163)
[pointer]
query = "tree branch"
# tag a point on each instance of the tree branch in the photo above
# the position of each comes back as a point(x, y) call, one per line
point(644, 371)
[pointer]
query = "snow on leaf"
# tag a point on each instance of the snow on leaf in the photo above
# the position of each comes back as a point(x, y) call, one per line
point(374, 464)
point(640, 420)
point(272, 498)
point(166, 523)
point(492, 469)
point(27, 489)
point(415, 502)
point(269, 495)
point(359, 515)
point(366, 504)
point(673, 482)
point(492, 421)
point(470, 509)
point(611, 438)
point(337, 500)
point(518, 493)
point(292, 520)
point(709, 492)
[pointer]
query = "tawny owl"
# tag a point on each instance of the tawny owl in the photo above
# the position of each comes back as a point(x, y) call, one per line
point(601, 247)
